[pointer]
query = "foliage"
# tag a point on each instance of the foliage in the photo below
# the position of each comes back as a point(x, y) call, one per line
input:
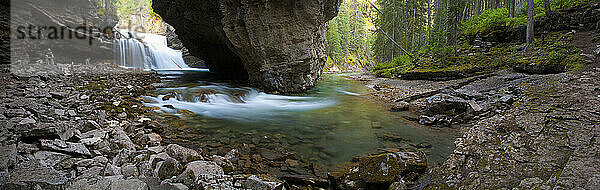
point(490, 21)
point(128, 7)
point(349, 36)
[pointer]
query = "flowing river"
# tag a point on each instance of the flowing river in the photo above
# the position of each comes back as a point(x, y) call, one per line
point(329, 124)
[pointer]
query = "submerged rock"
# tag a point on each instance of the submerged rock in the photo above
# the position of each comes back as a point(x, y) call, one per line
point(278, 45)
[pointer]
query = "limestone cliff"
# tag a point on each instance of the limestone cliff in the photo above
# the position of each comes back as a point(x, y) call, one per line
point(277, 45)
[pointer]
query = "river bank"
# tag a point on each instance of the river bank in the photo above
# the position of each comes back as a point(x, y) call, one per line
point(524, 131)
point(88, 131)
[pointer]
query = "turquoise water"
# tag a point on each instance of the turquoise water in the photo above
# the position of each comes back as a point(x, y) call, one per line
point(329, 124)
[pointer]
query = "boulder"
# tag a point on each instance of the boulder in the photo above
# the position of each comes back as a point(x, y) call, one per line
point(130, 171)
point(277, 45)
point(30, 178)
point(379, 171)
point(263, 183)
point(182, 154)
point(169, 168)
point(50, 159)
point(400, 106)
point(77, 149)
point(446, 104)
point(108, 183)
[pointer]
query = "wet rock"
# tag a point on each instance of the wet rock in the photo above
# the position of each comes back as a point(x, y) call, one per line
point(263, 183)
point(379, 171)
point(400, 106)
point(34, 177)
point(438, 120)
point(446, 104)
point(224, 163)
point(272, 155)
point(182, 154)
point(77, 149)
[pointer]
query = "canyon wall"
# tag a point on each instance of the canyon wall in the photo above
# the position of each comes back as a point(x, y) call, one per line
point(276, 45)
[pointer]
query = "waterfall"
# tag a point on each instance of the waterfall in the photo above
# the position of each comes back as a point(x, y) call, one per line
point(146, 51)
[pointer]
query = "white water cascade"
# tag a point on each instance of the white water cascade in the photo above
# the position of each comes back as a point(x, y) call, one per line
point(146, 51)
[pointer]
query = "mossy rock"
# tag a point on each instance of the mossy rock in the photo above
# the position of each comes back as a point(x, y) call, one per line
point(379, 171)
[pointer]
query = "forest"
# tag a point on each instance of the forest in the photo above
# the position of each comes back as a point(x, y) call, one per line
point(393, 37)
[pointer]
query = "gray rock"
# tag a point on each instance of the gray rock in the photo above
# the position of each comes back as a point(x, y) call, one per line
point(50, 158)
point(59, 112)
point(401, 106)
point(261, 183)
point(108, 183)
point(446, 104)
point(173, 186)
point(122, 157)
point(269, 50)
point(157, 149)
point(507, 99)
point(182, 154)
point(67, 147)
point(72, 113)
point(8, 156)
point(93, 172)
point(201, 171)
point(150, 139)
point(169, 168)
point(30, 178)
point(130, 171)
point(121, 140)
point(27, 121)
point(111, 170)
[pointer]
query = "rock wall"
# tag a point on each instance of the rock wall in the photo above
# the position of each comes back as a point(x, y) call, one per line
point(33, 36)
point(277, 45)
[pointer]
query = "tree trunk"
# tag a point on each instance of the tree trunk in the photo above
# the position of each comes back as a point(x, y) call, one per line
point(530, 23)
point(511, 9)
point(547, 8)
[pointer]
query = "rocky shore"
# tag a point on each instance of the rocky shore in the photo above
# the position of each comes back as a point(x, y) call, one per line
point(87, 131)
point(518, 130)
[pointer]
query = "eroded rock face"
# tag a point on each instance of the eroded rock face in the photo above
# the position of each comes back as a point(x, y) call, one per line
point(277, 45)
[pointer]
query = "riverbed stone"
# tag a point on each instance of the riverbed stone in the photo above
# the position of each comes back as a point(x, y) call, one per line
point(182, 154)
point(263, 183)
